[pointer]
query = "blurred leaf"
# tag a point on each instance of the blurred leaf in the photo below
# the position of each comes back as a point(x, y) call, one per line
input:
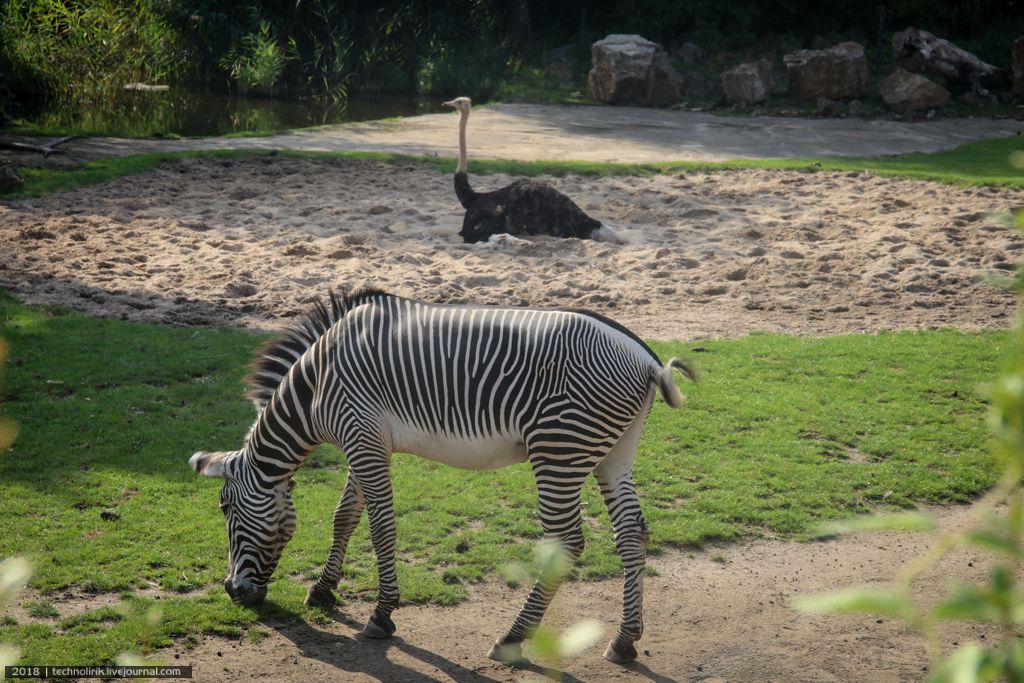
point(963, 666)
point(994, 542)
point(579, 637)
point(9, 655)
point(899, 521)
point(859, 600)
point(545, 642)
point(14, 574)
point(969, 602)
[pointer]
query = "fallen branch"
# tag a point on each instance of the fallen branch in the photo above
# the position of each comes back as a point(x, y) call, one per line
point(46, 150)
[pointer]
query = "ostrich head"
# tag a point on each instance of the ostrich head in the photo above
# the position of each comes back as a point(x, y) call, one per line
point(460, 103)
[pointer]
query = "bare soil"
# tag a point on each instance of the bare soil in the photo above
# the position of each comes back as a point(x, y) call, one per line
point(708, 255)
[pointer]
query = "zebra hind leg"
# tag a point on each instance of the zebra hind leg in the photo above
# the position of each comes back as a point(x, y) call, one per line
point(631, 536)
point(346, 518)
point(559, 498)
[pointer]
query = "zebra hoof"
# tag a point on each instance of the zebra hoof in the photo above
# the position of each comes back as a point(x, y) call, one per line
point(379, 627)
point(619, 652)
point(509, 653)
point(320, 597)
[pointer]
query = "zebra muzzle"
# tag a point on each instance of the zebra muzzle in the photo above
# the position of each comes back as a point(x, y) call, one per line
point(245, 594)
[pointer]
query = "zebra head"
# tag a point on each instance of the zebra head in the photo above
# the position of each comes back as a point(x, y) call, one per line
point(260, 518)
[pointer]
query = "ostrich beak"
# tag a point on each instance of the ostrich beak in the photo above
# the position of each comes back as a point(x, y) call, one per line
point(450, 103)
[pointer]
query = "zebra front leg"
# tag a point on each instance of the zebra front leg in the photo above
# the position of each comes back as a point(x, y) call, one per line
point(559, 498)
point(631, 536)
point(346, 518)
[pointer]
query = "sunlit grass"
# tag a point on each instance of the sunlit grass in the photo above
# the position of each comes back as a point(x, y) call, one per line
point(982, 163)
point(782, 432)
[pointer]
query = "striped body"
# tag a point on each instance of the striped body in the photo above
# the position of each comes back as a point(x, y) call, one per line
point(470, 386)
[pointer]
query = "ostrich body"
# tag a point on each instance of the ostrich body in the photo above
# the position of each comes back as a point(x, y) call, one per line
point(526, 207)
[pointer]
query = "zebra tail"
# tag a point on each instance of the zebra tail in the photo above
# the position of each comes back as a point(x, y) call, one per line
point(666, 382)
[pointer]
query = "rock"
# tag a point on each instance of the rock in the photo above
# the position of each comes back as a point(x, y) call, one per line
point(558, 53)
point(629, 69)
point(827, 107)
point(921, 52)
point(1017, 62)
point(9, 178)
point(856, 108)
point(691, 53)
point(903, 91)
point(559, 70)
point(697, 86)
point(975, 99)
point(748, 83)
point(838, 73)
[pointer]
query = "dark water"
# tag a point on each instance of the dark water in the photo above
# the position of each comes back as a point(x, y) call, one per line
point(184, 113)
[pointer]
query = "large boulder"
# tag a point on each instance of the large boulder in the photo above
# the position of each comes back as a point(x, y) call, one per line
point(924, 53)
point(749, 83)
point(838, 73)
point(629, 69)
point(903, 91)
point(1017, 60)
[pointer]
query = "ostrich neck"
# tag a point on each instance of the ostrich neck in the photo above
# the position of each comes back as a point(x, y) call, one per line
point(462, 142)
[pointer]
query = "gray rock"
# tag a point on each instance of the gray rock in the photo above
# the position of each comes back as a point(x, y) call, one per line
point(559, 70)
point(691, 53)
point(903, 91)
point(629, 69)
point(697, 86)
point(9, 178)
point(749, 83)
point(1017, 62)
point(921, 52)
point(838, 73)
point(827, 107)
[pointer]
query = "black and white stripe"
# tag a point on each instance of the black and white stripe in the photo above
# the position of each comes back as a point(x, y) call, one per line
point(471, 386)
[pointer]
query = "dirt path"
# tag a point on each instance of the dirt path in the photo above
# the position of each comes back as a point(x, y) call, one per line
point(605, 134)
point(720, 614)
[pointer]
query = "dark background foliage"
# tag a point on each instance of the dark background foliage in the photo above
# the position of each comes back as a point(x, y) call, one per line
point(320, 48)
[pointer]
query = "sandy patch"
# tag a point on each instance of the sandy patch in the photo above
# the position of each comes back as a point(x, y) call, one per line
point(252, 242)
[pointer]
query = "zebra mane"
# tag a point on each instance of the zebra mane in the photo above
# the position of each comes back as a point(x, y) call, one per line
point(278, 356)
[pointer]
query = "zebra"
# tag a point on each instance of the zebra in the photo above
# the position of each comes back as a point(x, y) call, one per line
point(476, 387)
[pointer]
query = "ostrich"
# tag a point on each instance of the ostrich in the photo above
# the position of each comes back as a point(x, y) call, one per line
point(526, 207)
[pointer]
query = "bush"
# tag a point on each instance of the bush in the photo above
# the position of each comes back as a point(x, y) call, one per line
point(87, 50)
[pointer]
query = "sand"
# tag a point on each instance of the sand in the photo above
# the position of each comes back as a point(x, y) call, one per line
point(252, 242)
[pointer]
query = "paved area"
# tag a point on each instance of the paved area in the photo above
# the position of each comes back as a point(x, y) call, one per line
point(606, 134)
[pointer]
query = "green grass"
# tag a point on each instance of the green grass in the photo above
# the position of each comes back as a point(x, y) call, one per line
point(782, 432)
point(982, 163)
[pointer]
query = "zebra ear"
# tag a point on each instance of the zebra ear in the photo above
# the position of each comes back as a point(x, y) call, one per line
point(210, 464)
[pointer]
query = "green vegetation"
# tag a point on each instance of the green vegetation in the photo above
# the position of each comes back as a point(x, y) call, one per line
point(88, 51)
point(982, 163)
point(781, 433)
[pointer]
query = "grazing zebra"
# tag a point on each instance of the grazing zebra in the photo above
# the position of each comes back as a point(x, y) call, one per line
point(476, 387)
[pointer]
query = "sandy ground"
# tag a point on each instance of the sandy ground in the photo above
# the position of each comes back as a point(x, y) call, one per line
point(252, 242)
point(714, 615)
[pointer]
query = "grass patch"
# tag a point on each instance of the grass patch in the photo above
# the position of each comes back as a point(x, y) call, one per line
point(781, 433)
point(981, 163)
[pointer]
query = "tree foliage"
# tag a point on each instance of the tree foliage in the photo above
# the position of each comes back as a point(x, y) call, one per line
point(325, 49)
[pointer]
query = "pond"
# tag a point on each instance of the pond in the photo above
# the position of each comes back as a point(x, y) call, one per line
point(190, 113)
